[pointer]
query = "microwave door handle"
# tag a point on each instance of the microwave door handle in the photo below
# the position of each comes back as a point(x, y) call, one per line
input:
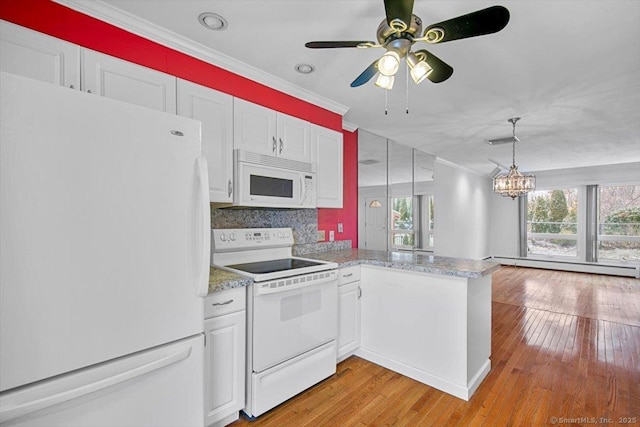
point(303, 190)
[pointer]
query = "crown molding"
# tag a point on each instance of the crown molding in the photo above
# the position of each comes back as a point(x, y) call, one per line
point(348, 126)
point(148, 30)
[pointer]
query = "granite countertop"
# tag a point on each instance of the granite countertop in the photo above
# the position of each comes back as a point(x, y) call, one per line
point(220, 280)
point(420, 262)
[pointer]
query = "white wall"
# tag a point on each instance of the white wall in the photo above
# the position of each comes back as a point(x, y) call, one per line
point(463, 201)
point(503, 226)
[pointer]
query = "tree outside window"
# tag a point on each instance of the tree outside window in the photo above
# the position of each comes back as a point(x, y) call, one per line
point(402, 231)
point(619, 223)
point(552, 222)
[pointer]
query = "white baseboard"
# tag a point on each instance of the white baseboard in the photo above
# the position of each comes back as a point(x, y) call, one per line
point(457, 390)
point(613, 270)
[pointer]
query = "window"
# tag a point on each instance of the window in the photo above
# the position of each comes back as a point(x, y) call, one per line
point(592, 223)
point(552, 227)
point(619, 223)
point(402, 232)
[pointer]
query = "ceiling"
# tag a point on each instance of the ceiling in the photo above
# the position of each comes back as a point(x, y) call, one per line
point(569, 69)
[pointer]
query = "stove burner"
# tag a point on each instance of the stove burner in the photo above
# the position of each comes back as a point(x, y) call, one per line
point(272, 266)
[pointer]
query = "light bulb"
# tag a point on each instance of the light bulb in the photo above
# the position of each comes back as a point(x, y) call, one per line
point(389, 63)
point(419, 68)
point(420, 72)
point(385, 82)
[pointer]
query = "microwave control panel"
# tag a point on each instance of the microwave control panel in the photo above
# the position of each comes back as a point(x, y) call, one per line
point(309, 192)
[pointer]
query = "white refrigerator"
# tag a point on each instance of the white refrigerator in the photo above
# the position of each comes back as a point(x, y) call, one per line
point(104, 247)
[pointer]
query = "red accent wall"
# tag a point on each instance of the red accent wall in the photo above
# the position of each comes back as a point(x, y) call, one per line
point(58, 21)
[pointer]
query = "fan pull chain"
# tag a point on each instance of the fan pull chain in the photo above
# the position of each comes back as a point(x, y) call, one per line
point(407, 88)
point(386, 102)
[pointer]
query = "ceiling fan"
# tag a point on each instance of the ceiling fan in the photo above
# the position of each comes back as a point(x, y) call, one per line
point(401, 29)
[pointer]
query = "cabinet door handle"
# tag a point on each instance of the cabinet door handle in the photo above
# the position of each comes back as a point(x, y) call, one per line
point(359, 292)
point(230, 188)
point(281, 145)
point(222, 303)
point(274, 146)
point(347, 275)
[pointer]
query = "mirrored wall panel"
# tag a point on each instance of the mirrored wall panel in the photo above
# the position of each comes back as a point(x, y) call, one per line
point(372, 192)
point(395, 195)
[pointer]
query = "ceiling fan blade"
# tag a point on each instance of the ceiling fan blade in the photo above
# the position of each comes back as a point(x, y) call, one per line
point(336, 44)
point(485, 21)
point(441, 70)
point(366, 75)
point(398, 9)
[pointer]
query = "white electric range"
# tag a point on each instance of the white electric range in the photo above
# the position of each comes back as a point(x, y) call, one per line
point(291, 315)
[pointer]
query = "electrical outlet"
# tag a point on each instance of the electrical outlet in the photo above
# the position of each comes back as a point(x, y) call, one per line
point(321, 236)
point(340, 228)
point(332, 236)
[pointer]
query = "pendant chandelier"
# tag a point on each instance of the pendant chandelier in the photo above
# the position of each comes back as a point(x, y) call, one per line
point(513, 183)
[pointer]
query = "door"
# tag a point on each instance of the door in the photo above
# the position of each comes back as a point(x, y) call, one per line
point(348, 318)
point(103, 229)
point(294, 138)
point(254, 128)
point(158, 387)
point(376, 236)
point(215, 111)
point(288, 323)
point(328, 159)
point(122, 80)
point(31, 54)
point(224, 366)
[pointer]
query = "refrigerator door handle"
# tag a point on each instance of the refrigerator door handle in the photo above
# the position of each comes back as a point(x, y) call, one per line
point(27, 401)
point(205, 227)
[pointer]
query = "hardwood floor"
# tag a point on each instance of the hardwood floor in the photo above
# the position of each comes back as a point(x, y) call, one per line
point(565, 350)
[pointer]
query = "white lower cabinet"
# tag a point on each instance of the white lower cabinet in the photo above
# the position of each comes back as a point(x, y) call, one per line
point(224, 356)
point(349, 293)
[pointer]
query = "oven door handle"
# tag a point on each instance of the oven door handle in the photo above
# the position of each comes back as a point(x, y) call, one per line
point(267, 288)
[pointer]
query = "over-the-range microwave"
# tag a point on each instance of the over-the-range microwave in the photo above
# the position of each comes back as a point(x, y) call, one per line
point(268, 181)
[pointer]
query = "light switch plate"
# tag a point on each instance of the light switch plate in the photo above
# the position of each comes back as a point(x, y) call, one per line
point(340, 228)
point(332, 236)
point(321, 235)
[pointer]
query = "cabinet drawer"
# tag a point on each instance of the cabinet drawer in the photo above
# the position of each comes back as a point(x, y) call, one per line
point(224, 302)
point(349, 274)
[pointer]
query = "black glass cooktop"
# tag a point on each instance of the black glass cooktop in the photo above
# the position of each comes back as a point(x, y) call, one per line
point(272, 266)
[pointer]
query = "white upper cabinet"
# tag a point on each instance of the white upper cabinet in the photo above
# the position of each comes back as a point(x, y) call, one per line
point(125, 81)
point(254, 128)
point(265, 131)
point(31, 54)
point(215, 111)
point(294, 138)
point(328, 158)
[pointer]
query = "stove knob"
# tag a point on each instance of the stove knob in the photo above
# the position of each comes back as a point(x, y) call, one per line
point(232, 237)
point(286, 235)
point(223, 237)
point(279, 234)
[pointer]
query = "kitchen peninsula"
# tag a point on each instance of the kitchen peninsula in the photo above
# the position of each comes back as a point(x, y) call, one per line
point(424, 316)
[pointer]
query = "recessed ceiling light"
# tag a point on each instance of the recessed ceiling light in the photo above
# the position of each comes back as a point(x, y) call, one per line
point(213, 21)
point(304, 68)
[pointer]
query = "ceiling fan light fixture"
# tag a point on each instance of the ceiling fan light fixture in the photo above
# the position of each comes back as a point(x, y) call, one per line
point(385, 82)
point(389, 63)
point(419, 67)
